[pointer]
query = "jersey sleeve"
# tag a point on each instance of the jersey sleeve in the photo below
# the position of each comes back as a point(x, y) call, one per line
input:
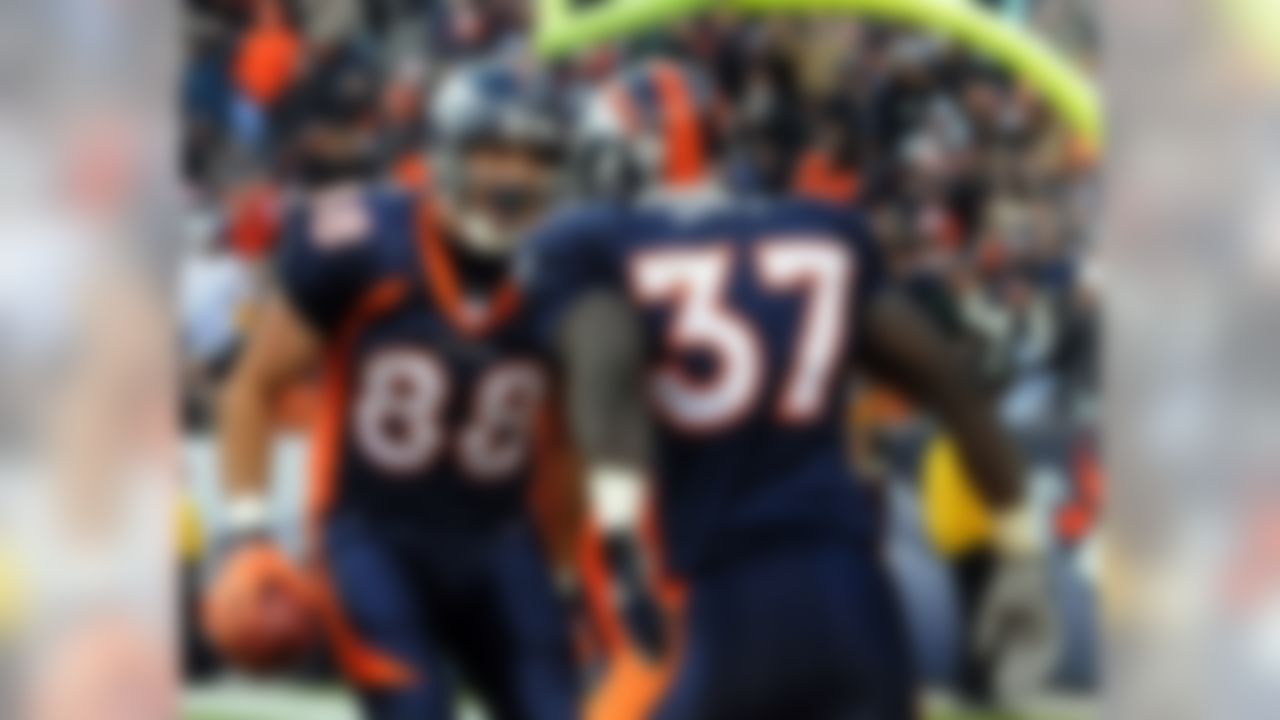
point(871, 276)
point(564, 262)
point(326, 256)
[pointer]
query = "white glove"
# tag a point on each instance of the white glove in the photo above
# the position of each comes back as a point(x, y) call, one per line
point(1018, 628)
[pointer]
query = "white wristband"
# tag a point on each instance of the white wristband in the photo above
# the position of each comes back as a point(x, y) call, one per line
point(247, 513)
point(617, 497)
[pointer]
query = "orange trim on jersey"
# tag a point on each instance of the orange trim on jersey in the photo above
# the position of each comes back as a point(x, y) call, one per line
point(685, 161)
point(364, 666)
point(593, 570)
point(555, 501)
point(669, 590)
point(326, 441)
point(633, 686)
point(555, 496)
point(631, 689)
point(446, 289)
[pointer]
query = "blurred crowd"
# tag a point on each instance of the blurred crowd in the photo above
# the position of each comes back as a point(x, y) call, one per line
point(981, 199)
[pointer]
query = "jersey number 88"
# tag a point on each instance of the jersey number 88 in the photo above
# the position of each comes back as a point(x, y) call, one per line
point(400, 415)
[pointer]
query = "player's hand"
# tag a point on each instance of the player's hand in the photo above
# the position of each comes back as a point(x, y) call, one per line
point(260, 610)
point(1018, 630)
point(617, 502)
point(247, 522)
point(638, 600)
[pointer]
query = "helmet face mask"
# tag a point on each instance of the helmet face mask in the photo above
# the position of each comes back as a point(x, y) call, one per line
point(497, 155)
point(499, 193)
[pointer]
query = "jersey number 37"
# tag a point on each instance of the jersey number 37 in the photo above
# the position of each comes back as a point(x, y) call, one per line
point(695, 284)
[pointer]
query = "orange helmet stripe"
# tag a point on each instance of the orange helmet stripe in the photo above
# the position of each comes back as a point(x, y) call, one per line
point(686, 161)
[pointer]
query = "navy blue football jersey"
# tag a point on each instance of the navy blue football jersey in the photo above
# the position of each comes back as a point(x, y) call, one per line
point(432, 398)
point(750, 313)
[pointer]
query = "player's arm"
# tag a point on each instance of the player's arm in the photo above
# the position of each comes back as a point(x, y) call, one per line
point(600, 344)
point(586, 321)
point(322, 266)
point(555, 495)
point(905, 350)
point(256, 609)
point(1016, 616)
point(280, 349)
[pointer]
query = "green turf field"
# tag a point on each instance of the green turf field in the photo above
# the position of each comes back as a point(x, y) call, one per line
point(241, 701)
point(940, 715)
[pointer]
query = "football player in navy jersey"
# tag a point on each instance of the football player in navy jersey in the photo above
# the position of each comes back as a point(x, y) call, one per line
point(707, 341)
point(435, 390)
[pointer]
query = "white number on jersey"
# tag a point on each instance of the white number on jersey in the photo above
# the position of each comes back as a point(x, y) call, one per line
point(495, 442)
point(694, 283)
point(399, 411)
point(820, 270)
point(399, 416)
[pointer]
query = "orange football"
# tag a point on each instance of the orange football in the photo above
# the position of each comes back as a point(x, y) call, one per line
point(260, 614)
